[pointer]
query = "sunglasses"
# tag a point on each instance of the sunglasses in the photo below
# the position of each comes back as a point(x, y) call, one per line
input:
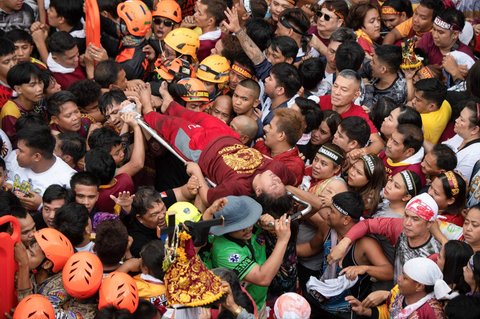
point(327, 17)
point(165, 22)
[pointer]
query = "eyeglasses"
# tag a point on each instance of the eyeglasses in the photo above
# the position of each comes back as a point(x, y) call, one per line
point(327, 17)
point(165, 22)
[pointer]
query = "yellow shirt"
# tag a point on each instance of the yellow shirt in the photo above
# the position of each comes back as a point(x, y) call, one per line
point(434, 123)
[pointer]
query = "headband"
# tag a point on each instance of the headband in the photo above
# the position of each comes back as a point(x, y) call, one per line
point(425, 73)
point(452, 182)
point(408, 180)
point(471, 263)
point(424, 206)
point(445, 25)
point(330, 8)
point(390, 10)
point(340, 209)
point(292, 2)
point(248, 7)
point(242, 71)
point(331, 154)
point(367, 159)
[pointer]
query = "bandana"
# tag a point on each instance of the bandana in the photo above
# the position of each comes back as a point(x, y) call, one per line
point(408, 180)
point(452, 182)
point(425, 73)
point(445, 25)
point(424, 206)
point(340, 209)
point(241, 71)
point(331, 154)
point(390, 10)
point(368, 160)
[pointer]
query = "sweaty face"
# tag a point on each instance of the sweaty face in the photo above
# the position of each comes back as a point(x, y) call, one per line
point(69, 118)
point(344, 91)
point(86, 195)
point(422, 19)
point(371, 24)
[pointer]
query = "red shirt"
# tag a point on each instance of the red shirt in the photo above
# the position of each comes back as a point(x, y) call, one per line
point(354, 110)
point(5, 94)
point(123, 182)
point(394, 168)
point(67, 79)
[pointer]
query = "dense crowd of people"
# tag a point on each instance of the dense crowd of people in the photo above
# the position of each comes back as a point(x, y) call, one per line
point(155, 155)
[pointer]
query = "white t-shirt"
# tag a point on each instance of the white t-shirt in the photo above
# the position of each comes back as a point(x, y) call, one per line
point(466, 157)
point(25, 180)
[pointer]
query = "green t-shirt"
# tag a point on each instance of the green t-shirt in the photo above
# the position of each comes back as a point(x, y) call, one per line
point(241, 258)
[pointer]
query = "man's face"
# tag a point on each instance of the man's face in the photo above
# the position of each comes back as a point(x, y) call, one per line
point(69, 118)
point(201, 16)
point(277, 7)
point(160, 28)
point(406, 285)
point(86, 195)
point(121, 82)
point(12, 5)
point(421, 104)
point(31, 91)
point(68, 59)
point(341, 139)
point(222, 110)
point(25, 155)
point(429, 165)
point(23, 51)
point(113, 116)
point(118, 153)
point(195, 106)
point(414, 226)
point(27, 228)
point(6, 63)
point(344, 91)
point(325, 27)
point(53, 17)
point(422, 19)
point(275, 56)
point(331, 51)
point(282, 30)
point(377, 67)
point(271, 86)
point(395, 149)
point(335, 219)
point(242, 234)
point(392, 20)
point(49, 210)
point(272, 135)
point(443, 38)
point(243, 100)
point(268, 183)
point(154, 217)
point(234, 79)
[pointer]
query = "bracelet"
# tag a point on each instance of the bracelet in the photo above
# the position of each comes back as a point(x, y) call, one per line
point(237, 311)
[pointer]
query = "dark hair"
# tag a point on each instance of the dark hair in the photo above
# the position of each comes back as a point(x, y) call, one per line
point(110, 97)
point(454, 17)
point(152, 255)
point(343, 34)
point(2, 164)
point(231, 46)
point(275, 206)
point(311, 113)
point(54, 192)
point(463, 307)
point(287, 77)
point(239, 296)
point(286, 45)
point(312, 72)
point(333, 120)
point(460, 198)
point(412, 136)
point(474, 120)
point(357, 13)
point(84, 178)
point(260, 31)
point(22, 73)
point(100, 163)
point(445, 157)
point(353, 201)
point(6, 46)
point(457, 254)
point(349, 55)
point(57, 100)
point(18, 211)
point(145, 309)
point(473, 78)
point(356, 129)
point(409, 115)
point(110, 312)
point(60, 42)
point(400, 6)
point(436, 6)
point(242, 59)
point(370, 193)
point(19, 35)
point(215, 9)
point(390, 55)
point(71, 220)
point(86, 92)
point(38, 138)
point(73, 144)
point(476, 267)
point(109, 6)
point(29, 120)
point(104, 138)
point(259, 9)
point(432, 90)
point(380, 110)
point(251, 85)
point(106, 73)
point(144, 199)
point(111, 241)
point(338, 6)
point(70, 10)
point(296, 20)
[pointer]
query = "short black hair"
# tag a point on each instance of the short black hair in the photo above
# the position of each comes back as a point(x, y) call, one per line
point(311, 113)
point(104, 138)
point(145, 198)
point(106, 73)
point(110, 97)
point(445, 157)
point(343, 34)
point(436, 6)
point(463, 307)
point(84, 178)
point(275, 206)
point(19, 35)
point(391, 55)
point(71, 220)
point(287, 77)
point(312, 72)
point(100, 163)
point(286, 45)
point(22, 73)
point(38, 138)
point(86, 92)
point(356, 129)
point(215, 9)
point(349, 55)
point(29, 120)
point(432, 90)
point(412, 136)
point(70, 10)
point(73, 144)
point(109, 6)
point(152, 255)
point(6, 46)
point(380, 110)
point(111, 241)
point(408, 115)
point(57, 100)
point(54, 192)
point(351, 200)
point(260, 31)
point(60, 42)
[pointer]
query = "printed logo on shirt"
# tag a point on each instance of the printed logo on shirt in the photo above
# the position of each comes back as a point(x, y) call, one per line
point(234, 258)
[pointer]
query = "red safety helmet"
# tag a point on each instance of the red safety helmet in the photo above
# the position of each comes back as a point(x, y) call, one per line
point(119, 290)
point(136, 15)
point(82, 275)
point(56, 247)
point(34, 307)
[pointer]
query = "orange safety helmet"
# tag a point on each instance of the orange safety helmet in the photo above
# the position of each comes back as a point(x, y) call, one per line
point(184, 41)
point(56, 247)
point(119, 290)
point(169, 9)
point(34, 307)
point(196, 90)
point(82, 275)
point(215, 69)
point(176, 69)
point(136, 15)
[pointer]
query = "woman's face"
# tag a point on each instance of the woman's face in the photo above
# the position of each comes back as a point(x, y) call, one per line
point(371, 24)
point(438, 193)
point(357, 176)
point(463, 126)
point(395, 189)
point(469, 277)
point(321, 135)
point(471, 227)
point(323, 167)
point(390, 123)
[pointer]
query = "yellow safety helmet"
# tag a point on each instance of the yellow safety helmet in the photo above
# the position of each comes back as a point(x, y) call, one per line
point(169, 9)
point(214, 68)
point(184, 41)
point(196, 90)
point(184, 211)
point(136, 15)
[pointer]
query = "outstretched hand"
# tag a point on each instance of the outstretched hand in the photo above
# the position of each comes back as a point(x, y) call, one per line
point(231, 23)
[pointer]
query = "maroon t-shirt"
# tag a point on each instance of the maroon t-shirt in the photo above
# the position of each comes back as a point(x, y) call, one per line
point(394, 168)
point(67, 79)
point(123, 182)
point(433, 53)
